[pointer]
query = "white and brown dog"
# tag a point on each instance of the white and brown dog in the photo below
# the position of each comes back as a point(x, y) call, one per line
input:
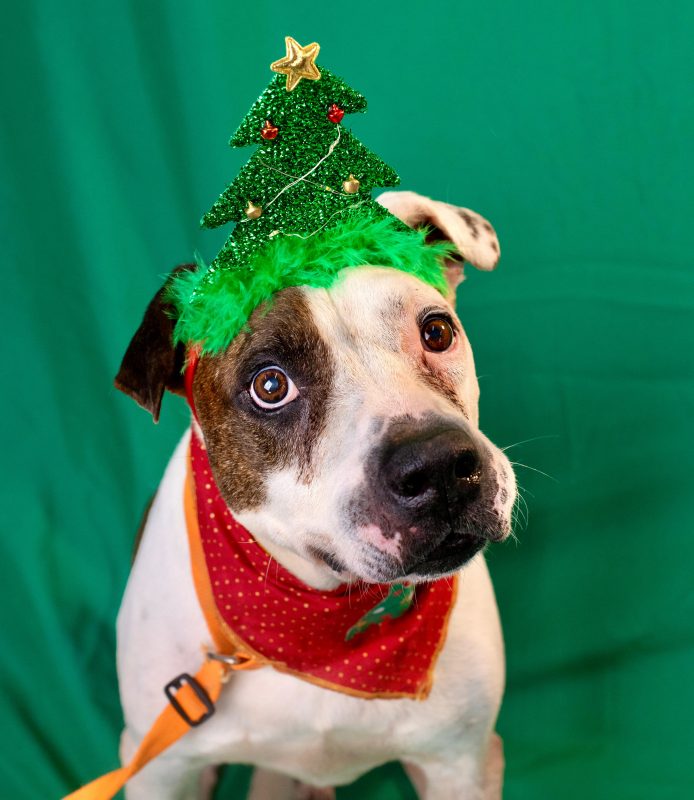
point(381, 427)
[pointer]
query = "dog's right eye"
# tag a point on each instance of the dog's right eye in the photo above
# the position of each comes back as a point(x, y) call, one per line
point(271, 387)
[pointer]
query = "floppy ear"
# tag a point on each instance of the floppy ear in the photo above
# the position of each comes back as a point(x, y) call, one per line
point(473, 236)
point(151, 363)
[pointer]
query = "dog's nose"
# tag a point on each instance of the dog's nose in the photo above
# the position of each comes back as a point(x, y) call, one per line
point(433, 468)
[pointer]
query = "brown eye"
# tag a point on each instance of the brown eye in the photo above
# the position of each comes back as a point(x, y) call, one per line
point(437, 334)
point(272, 388)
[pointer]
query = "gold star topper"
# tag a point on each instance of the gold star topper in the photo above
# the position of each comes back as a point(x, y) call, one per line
point(298, 63)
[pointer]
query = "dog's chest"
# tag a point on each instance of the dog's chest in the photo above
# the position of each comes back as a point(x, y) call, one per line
point(281, 722)
point(276, 720)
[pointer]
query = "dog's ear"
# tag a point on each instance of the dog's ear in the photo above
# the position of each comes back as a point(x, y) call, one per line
point(473, 236)
point(152, 363)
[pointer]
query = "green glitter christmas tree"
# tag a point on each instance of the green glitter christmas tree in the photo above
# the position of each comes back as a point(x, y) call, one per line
point(302, 208)
point(309, 173)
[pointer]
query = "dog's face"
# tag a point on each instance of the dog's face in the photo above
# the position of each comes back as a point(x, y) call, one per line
point(343, 424)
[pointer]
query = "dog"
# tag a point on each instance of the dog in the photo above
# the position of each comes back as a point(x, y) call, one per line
point(381, 430)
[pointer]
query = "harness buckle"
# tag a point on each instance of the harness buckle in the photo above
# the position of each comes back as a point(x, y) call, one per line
point(174, 685)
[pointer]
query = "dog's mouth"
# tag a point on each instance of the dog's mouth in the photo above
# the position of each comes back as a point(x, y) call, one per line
point(444, 559)
point(414, 553)
point(329, 559)
point(448, 556)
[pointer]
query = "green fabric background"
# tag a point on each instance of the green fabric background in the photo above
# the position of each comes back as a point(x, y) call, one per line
point(570, 124)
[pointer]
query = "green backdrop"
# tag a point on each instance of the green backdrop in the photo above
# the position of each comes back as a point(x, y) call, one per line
point(569, 124)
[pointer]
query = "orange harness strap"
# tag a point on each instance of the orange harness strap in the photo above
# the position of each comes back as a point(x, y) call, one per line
point(167, 729)
point(191, 698)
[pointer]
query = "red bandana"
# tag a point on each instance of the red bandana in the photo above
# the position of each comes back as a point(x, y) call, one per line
point(264, 610)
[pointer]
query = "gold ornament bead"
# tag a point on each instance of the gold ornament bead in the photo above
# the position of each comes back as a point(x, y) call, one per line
point(253, 211)
point(351, 185)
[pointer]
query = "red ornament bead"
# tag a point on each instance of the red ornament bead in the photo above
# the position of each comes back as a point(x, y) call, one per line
point(269, 131)
point(335, 113)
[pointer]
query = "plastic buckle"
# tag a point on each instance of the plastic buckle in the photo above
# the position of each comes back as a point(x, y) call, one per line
point(174, 685)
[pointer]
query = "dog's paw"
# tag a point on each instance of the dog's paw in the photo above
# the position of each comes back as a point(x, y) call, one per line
point(306, 792)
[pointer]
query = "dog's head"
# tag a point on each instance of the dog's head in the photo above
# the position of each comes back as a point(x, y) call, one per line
point(342, 423)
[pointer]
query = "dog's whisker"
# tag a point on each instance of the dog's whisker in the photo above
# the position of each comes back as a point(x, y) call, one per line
point(520, 513)
point(512, 535)
point(524, 490)
point(525, 510)
point(527, 441)
point(534, 469)
point(523, 506)
point(519, 519)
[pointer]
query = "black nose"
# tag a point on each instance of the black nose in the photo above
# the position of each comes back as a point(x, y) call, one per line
point(433, 468)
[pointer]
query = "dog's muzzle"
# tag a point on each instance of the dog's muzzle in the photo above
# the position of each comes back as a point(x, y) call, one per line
point(431, 488)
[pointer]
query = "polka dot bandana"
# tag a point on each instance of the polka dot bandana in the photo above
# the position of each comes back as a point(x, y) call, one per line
point(300, 630)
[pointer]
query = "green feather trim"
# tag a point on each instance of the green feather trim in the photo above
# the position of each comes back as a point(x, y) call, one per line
point(213, 305)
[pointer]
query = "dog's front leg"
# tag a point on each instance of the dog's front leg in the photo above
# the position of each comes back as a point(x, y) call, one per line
point(472, 776)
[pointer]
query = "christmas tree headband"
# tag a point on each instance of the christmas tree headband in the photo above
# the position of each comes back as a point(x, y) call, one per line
point(302, 206)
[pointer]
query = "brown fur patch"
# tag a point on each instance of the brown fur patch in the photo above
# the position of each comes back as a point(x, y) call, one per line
point(246, 444)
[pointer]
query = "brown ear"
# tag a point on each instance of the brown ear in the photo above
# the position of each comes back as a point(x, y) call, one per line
point(473, 236)
point(151, 363)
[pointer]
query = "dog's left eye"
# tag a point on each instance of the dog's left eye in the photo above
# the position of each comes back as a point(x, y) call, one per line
point(271, 387)
point(437, 334)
